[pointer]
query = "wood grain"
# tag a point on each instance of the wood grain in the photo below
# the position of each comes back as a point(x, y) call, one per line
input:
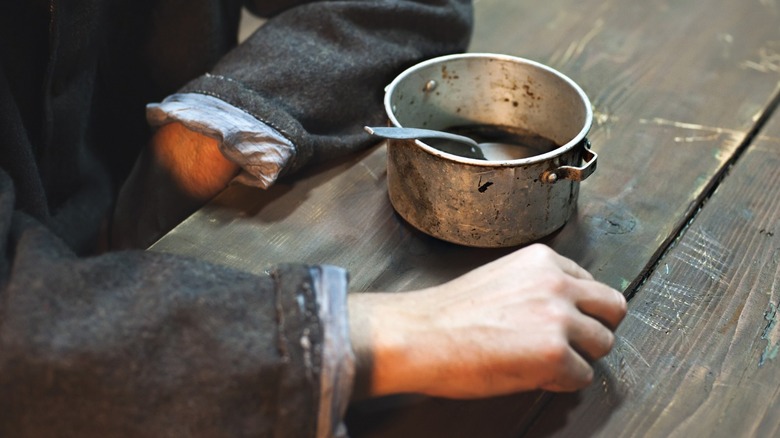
point(698, 352)
point(672, 106)
point(677, 88)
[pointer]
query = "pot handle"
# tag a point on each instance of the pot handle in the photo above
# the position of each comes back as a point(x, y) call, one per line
point(574, 173)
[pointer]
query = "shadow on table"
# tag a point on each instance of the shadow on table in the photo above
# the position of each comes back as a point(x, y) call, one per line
point(531, 414)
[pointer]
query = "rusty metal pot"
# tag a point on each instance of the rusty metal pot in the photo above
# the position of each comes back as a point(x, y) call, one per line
point(494, 203)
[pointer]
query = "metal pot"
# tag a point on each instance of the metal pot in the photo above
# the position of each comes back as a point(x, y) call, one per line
point(495, 203)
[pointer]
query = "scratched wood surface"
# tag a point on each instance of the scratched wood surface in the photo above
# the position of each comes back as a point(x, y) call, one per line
point(669, 102)
point(698, 352)
point(677, 88)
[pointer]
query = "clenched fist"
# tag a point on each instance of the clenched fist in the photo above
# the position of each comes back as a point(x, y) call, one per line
point(530, 320)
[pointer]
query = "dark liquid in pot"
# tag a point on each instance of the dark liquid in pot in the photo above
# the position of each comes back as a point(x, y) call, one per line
point(497, 143)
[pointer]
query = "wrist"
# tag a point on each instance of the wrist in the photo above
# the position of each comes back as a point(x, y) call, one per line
point(192, 160)
point(387, 330)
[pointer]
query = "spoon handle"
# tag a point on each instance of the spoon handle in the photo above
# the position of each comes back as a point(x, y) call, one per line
point(415, 133)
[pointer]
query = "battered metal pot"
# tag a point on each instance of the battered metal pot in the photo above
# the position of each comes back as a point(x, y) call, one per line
point(487, 203)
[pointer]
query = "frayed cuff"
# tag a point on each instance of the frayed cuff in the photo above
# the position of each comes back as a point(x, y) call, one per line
point(260, 150)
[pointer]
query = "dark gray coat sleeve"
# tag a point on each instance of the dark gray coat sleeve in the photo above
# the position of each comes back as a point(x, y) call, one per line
point(143, 344)
point(316, 71)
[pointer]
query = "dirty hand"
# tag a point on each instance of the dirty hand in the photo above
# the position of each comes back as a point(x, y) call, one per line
point(530, 320)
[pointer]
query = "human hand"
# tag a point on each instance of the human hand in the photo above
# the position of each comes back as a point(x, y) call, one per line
point(530, 320)
point(175, 175)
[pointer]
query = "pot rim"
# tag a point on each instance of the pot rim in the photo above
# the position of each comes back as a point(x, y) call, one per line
point(576, 140)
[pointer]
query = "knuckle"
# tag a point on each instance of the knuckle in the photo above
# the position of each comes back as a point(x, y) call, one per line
point(551, 283)
point(622, 305)
point(556, 314)
point(557, 284)
point(587, 378)
point(556, 352)
point(607, 345)
point(541, 251)
point(544, 248)
point(610, 341)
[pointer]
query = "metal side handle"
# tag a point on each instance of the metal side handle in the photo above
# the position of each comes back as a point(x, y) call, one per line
point(574, 173)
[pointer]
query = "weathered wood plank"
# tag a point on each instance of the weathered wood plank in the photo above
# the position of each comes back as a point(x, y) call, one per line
point(697, 353)
point(669, 103)
point(672, 105)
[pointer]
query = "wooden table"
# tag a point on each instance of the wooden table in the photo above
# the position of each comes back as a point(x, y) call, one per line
point(682, 215)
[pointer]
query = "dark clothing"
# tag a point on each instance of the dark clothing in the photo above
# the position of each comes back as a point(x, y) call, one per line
point(136, 343)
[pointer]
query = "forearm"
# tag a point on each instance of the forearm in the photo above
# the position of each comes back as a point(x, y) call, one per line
point(178, 171)
point(148, 344)
point(192, 160)
point(379, 329)
point(316, 72)
point(298, 90)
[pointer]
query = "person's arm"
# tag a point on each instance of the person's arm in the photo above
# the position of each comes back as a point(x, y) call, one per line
point(530, 320)
point(179, 171)
point(299, 90)
point(193, 161)
point(316, 70)
point(140, 343)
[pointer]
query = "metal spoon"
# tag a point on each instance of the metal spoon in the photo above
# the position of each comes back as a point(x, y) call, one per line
point(453, 143)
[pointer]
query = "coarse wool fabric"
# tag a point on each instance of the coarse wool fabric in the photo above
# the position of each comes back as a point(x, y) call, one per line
point(137, 343)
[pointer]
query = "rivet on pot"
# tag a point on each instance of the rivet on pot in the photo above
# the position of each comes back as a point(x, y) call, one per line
point(550, 177)
point(430, 86)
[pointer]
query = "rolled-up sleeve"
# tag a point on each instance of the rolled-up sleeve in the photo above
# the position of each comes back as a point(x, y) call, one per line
point(260, 150)
point(314, 333)
point(316, 72)
point(338, 359)
point(144, 343)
